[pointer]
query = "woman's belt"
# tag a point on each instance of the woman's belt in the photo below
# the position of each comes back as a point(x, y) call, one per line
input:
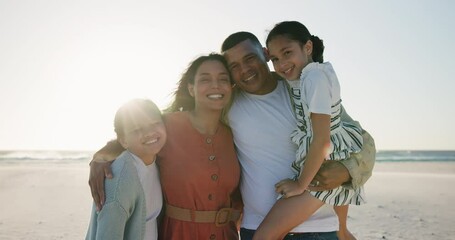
point(220, 217)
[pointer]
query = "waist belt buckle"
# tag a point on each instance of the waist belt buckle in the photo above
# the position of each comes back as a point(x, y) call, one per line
point(223, 213)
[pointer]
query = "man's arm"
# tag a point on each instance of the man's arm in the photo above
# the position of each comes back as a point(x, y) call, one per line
point(360, 165)
point(352, 172)
point(100, 167)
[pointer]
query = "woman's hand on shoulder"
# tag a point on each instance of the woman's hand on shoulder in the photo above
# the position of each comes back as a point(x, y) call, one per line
point(98, 171)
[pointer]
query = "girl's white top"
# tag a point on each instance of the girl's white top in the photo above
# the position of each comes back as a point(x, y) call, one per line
point(318, 91)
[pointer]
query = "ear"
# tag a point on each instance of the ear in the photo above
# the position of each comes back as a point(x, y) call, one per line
point(266, 54)
point(123, 142)
point(308, 47)
point(191, 89)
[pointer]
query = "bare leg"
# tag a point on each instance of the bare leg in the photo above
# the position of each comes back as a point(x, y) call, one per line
point(285, 215)
point(343, 232)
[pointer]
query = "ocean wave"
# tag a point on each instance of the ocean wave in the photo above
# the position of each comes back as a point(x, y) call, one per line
point(85, 156)
point(415, 156)
point(44, 156)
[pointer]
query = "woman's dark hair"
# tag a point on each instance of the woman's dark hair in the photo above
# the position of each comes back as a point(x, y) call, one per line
point(298, 32)
point(126, 113)
point(183, 101)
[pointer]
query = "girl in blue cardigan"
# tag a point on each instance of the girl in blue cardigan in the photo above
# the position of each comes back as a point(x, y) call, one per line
point(133, 195)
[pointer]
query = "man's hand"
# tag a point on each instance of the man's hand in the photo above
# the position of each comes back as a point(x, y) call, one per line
point(332, 174)
point(98, 171)
point(288, 188)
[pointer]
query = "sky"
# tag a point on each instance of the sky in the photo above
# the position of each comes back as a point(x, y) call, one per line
point(66, 66)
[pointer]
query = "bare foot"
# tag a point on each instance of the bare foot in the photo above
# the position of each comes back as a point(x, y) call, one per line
point(345, 235)
point(349, 236)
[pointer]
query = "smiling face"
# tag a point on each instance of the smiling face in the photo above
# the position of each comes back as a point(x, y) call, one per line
point(248, 65)
point(289, 57)
point(142, 130)
point(212, 86)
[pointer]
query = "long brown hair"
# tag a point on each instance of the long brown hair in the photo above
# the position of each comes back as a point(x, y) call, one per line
point(183, 101)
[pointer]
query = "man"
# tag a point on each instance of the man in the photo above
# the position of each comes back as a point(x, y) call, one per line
point(262, 119)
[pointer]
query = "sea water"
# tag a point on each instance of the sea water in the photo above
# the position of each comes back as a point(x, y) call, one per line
point(40, 156)
point(64, 157)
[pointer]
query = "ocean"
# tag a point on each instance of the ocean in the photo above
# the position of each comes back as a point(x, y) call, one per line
point(40, 156)
point(66, 157)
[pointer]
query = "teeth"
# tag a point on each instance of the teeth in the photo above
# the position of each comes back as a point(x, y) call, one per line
point(152, 141)
point(251, 77)
point(215, 96)
point(287, 71)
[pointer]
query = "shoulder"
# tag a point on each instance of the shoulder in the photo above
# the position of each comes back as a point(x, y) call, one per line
point(317, 74)
point(225, 131)
point(313, 70)
point(123, 181)
point(177, 124)
point(119, 164)
point(175, 118)
point(123, 170)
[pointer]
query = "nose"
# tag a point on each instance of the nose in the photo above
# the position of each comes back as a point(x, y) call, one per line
point(148, 131)
point(215, 83)
point(281, 64)
point(244, 68)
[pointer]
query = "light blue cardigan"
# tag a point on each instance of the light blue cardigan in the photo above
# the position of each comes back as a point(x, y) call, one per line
point(124, 212)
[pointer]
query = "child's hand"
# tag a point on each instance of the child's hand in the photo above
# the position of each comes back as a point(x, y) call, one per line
point(289, 188)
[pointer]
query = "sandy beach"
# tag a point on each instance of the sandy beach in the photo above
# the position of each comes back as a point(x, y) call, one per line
point(406, 200)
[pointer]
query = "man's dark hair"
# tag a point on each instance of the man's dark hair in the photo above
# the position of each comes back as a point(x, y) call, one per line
point(237, 38)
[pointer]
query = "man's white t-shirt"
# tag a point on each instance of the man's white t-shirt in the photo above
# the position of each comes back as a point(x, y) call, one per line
point(262, 125)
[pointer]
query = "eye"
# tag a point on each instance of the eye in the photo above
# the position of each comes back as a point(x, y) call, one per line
point(135, 131)
point(158, 124)
point(287, 53)
point(233, 67)
point(274, 59)
point(224, 79)
point(155, 125)
point(250, 58)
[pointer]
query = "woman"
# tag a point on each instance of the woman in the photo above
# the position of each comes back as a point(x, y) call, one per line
point(199, 168)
